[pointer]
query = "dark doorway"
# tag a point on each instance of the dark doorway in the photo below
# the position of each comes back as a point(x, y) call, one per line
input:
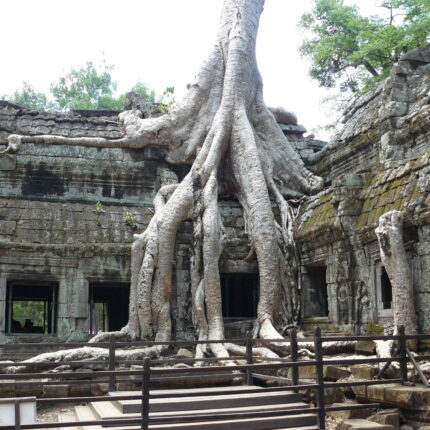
point(317, 305)
point(31, 307)
point(108, 306)
point(386, 290)
point(239, 295)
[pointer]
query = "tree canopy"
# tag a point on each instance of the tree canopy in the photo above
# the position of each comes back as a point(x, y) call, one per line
point(90, 86)
point(354, 51)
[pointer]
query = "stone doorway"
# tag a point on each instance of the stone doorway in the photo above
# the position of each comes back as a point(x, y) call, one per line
point(239, 295)
point(108, 303)
point(31, 308)
point(316, 300)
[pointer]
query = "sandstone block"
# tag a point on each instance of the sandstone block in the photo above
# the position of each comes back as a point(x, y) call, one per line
point(331, 395)
point(7, 162)
point(366, 347)
point(390, 419)
point(55, 390)
point(360, 424)
point(348, 414)
point(99, 389)
point(364, 371)
point(184, 353)
point(334, 373)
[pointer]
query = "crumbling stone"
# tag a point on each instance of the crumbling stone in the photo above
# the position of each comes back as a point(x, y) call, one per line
point(390, 417)
point(348, 414)
point(332, 373)
point(364, 371)
point(51, 391)
point(184, 353)
point(366, 347)
point(360, 424)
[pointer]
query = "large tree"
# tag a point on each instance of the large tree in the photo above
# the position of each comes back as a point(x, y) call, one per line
point(231, 140)
point(356, 51)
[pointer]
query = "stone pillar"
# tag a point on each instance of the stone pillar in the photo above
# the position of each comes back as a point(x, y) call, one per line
point(422, 286)
point(73, 309)
point(3, 283)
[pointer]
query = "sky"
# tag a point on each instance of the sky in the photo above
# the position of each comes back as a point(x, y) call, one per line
point(159, 42)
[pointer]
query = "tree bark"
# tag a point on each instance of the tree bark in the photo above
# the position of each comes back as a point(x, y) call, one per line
point(222, 121)
point(398, 267)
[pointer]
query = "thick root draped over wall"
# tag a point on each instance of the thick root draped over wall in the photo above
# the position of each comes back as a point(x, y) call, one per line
point(224, 130)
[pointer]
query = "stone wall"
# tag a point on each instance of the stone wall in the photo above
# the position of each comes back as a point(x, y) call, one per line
point(62, 217)
point(379, 162)
point(62, 208)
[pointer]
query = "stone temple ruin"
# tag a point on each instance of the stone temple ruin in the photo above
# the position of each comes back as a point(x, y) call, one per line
point(68, 215)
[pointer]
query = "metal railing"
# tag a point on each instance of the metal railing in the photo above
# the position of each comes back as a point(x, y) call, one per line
point(248, 372)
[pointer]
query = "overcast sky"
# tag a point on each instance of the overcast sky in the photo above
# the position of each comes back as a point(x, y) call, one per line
point(160, 42)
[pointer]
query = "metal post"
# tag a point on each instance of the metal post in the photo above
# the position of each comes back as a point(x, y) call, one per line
point(112, 384)
point(294, 357)
point(249, 358)
point(17, 415)
point(403, 355)
point(320, 378)
point(145, 393)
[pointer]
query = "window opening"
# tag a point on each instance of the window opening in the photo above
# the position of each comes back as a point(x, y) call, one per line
point(317, 305)
point(239, 295)
point(31, 308)
point(108, 304)
point(386, 290)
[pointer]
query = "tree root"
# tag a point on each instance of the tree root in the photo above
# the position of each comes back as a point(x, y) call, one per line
point(224, 129)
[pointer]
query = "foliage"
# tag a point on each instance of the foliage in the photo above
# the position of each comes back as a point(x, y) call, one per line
point(33, 310)
point(167, 99)
point(130, 220)
point(89, 87)
point(356, 51)
point(99, 209)
point(374, 329)
point(27, 96)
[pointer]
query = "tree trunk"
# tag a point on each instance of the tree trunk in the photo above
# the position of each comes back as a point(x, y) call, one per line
point(222, 121)
point(398, 267)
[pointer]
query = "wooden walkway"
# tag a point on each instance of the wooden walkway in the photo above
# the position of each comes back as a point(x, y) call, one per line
point(212, 401)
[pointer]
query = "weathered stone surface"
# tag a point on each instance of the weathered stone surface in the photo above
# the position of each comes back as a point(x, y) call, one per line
point(99, 389)
point(365, 347)
point(359, 424)
point(348, 414)
point(55, 390)
point(331, 373)
point(384, 417)
point(7, 162)
point(331, 395)
point(364, 371)
point(411, 398)
point(184, 353)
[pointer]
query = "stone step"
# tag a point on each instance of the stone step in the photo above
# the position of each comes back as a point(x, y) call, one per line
point(292, 421)
point(299, 422)
point(107, 411)
point(209, 402)
point(181, 391)
point(85, 413)
point(302, 422)
point(67, 417)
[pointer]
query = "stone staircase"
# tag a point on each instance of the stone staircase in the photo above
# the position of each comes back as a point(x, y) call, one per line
point(210, 401)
